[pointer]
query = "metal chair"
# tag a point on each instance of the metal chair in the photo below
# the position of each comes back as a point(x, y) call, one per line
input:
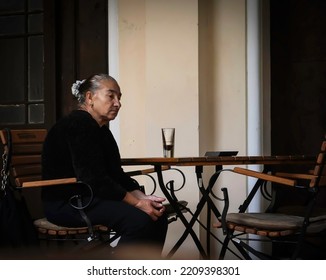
point(298, 225)
point(22, 155)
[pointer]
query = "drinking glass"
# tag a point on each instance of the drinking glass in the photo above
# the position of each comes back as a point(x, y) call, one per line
point(168, 141)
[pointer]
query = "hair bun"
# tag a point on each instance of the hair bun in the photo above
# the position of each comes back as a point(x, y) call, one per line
point(75, 87)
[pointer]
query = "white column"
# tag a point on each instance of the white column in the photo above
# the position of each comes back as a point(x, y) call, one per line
point(113, 54)
point(254, 100)
point(254, 108)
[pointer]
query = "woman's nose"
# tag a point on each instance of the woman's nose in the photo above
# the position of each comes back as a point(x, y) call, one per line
point(117, 102)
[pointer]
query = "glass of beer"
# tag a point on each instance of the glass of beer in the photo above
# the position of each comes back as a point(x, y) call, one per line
point(168, 141)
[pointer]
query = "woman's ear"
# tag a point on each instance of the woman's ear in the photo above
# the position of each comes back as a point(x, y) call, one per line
point(89, 98)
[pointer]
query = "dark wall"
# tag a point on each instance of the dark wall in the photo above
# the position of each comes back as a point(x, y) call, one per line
point(298, 79)
point(298, 75)
point(298, 89)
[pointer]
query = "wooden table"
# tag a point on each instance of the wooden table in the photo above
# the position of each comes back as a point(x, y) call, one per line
point(199, 163)
point(220, 160)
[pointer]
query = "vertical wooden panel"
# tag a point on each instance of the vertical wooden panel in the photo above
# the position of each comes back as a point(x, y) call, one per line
point(81, 45)
point(91, 38)
point(65, 52)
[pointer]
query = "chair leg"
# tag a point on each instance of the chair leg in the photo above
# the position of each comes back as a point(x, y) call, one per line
point(244, 248)
point(239, 245)
point(224, 248)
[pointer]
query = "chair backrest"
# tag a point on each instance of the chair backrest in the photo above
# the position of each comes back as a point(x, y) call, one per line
point(284, 197)
point(25, 154)
point(319, 172)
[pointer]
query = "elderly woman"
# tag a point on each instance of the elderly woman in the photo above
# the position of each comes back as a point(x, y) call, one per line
point(81, 145)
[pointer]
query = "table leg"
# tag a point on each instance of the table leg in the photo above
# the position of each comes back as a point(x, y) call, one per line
point(210, 204)
point(188, 225)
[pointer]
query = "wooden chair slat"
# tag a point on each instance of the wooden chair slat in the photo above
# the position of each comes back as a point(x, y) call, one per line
point(295, 176)
point(27, 149)
point(264, 176)
point(46, 227)
point(42, 230)
point(240, 228)
point(19, 181)
point(287, 232)
point(250, 230)
point(262, 233)
point(52, 232)
point(273, 233)
point(28, 135)
point(323, 146)
point(44, 183)
point(317, 170)
point(321, 158)
point(25, 159)
point(24, 170)
point(320, 182)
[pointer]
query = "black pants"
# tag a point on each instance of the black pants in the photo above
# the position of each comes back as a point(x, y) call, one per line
point(133, 225)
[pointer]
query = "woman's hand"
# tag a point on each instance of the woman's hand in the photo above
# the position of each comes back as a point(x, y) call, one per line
point(152, 208)
point(150, 204)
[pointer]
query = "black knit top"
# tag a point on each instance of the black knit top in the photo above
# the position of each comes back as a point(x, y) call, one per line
point(76, 146)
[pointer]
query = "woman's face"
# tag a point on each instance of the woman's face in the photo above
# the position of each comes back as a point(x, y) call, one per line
point(106, 102)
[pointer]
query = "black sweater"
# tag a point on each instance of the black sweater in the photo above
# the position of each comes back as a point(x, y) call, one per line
point(76, 146)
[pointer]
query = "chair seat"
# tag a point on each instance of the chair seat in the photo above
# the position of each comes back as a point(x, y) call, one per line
point(270, 223)
point(46, 227)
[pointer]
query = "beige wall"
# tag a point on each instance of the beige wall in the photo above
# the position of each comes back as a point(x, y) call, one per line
point(182, 64)
point(222, 76)
point(158, 75)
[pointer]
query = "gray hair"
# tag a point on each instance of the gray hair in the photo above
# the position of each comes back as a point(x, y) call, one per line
point(92, 83)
